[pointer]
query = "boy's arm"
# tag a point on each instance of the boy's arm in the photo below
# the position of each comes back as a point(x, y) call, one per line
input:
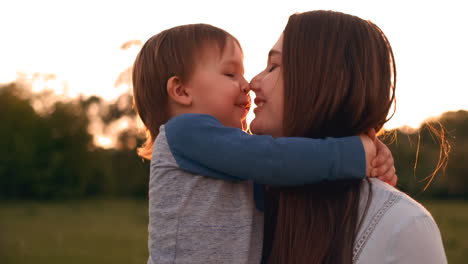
point(202, 145)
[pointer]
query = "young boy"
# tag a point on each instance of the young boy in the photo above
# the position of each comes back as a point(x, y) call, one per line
point(191, 95)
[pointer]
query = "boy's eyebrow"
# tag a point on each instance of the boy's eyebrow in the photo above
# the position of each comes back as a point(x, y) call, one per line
point(235, 63)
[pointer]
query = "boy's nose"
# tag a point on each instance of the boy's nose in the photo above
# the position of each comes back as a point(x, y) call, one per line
point(245, 87)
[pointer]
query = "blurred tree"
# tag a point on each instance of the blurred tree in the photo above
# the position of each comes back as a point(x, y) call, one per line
point(48, 152)
point(21, 129)
point(51, 154)
point(42, 156)
point(121, 107)
point(456, 180)
point(417, 154)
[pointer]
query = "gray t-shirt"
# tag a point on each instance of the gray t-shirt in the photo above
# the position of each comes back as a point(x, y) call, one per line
point(195, 219)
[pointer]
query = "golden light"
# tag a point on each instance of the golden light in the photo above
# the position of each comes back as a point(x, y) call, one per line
point(87, 55)
point(104, 142)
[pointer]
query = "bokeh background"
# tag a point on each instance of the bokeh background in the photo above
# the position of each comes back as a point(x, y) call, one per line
point(72, 188)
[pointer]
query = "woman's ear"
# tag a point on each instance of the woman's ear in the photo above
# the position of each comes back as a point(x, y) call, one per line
point(177, 91)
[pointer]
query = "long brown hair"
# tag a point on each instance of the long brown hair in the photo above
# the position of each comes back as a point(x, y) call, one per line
point(172, 52)
point(339, 80)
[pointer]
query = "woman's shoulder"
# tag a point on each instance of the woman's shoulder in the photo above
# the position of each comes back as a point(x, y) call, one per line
point(389, 210)
point(392, 217)
point(395, 201)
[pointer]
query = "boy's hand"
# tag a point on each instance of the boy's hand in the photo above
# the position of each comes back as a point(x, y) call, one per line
point(371, 152)
point(379, 159)
point(383, 165)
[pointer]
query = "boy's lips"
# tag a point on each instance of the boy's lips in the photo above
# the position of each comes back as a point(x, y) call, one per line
point(244, 105)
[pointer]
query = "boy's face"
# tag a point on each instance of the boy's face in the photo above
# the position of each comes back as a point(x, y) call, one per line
point(219, 88)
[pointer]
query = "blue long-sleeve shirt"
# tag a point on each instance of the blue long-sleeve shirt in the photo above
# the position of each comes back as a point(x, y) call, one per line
point(202, 145)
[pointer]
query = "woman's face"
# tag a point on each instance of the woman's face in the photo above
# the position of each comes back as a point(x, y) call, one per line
point(268, 88)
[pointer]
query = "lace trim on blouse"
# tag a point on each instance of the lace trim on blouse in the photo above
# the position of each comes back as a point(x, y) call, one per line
point(360, 244)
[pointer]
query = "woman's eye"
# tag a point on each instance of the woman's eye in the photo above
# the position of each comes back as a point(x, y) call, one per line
point(273, 67)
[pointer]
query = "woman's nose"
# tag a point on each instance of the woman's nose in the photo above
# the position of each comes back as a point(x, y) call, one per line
point(255, 84)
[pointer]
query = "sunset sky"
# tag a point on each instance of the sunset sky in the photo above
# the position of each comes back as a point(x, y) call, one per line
point(80, 41)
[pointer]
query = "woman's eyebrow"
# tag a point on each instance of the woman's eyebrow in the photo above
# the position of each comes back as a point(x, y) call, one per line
point(274, 53)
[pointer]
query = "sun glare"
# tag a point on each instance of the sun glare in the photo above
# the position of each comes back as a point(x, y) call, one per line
point(104, 142)
point(93, 56)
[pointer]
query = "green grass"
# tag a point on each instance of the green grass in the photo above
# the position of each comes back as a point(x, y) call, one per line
point(97, 231)
point(115, 231)
point(452, 218)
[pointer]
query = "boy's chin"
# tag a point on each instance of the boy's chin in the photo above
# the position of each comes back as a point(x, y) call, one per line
point(241, 124)
point(244, 125)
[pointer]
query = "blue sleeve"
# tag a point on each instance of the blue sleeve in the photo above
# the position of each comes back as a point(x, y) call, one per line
point(202, 145)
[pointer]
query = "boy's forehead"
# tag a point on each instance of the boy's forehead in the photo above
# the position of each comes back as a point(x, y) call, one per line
point(213, 51)
point(232, 48)
point(210, 51)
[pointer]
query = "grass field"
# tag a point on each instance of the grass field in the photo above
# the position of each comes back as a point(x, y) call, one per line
point(103, 231)
point(115, 231)
point(452, 218)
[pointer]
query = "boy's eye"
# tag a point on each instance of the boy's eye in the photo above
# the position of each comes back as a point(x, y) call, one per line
point(231, 75)
point(273, 67)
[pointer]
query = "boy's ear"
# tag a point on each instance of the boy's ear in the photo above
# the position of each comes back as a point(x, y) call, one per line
point(178, 92)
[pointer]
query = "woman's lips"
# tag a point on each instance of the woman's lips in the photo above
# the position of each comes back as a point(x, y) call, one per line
point(259, 101)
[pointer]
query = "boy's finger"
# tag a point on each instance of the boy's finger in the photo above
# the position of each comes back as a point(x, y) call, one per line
point(377, 161)
point(382, 170)
point(390, 177)
point(394, 180)
point(383, 155)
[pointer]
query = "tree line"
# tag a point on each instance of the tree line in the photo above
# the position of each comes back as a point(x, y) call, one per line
point(50, 154)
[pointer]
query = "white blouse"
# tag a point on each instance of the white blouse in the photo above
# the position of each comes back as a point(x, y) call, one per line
point(396, 229)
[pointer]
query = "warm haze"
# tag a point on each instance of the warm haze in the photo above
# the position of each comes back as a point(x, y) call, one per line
point(80, 42)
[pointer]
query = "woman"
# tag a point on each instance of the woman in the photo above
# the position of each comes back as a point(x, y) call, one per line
point(333, 75)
